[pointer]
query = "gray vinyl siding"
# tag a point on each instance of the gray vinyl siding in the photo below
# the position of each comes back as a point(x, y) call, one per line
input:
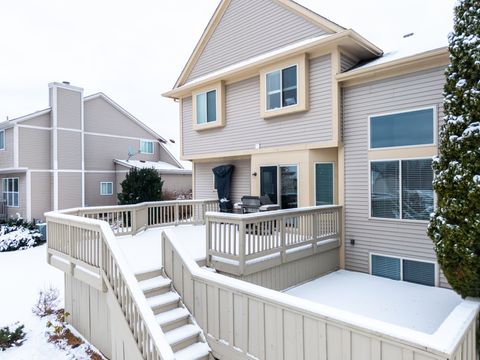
point(347, 62)
point(34, 148)
point(69, 190)
point(100, 151)
point(69, 103)
point(22, 203)
point(41, 195)
point(41, 120)
point(92, 189)
point(400, 238)
point(69, 150)
point(249, 28)
point(244, 127)
point(6, 155)
point(102, 117)
point(203, 178)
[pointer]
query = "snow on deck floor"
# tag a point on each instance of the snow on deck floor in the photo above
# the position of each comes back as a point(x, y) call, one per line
point(143, 251)
point(409, 305)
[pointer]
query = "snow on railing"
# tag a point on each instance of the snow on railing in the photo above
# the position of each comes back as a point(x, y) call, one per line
point(263, 323)
point(130, 219)
point(241, 238)
point(91, 243)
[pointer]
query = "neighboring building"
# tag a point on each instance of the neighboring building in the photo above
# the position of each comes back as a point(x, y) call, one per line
point(67, 155)
point(311, 113)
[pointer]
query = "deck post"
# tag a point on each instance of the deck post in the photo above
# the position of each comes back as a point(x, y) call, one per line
point(283, 248)
point(241, 247)
point(208, 239)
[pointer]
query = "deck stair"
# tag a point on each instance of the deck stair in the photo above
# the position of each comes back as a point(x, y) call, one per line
point(183, 334)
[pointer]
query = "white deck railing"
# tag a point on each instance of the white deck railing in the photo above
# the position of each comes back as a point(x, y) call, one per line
point(243, 239)
point(130, 219)
point(85, 239)
point(247, 321)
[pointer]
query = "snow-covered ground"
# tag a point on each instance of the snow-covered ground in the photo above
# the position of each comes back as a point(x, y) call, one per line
point(23, 274)
point(409, 305)
point(143, 251)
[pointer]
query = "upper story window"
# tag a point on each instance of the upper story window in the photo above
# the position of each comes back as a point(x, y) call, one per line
point(208, 107)
point(106, 188)
point(10, 191)
point(146, 147)
point(283, 87)
point(401, 189)
point(409, 128)
point(2, 139)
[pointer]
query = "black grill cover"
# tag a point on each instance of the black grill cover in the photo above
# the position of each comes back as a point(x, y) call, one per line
point(223, 180)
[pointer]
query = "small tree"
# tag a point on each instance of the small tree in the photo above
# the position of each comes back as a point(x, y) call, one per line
point(141, 185)
point(455, 225)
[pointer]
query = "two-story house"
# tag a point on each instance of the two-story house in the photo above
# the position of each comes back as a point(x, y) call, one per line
point(74, 153)
point(311, 113)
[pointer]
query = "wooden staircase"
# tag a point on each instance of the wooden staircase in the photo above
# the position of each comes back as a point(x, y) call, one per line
point(182, 333)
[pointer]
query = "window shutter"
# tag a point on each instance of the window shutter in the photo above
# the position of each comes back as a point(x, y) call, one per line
point(385, 266)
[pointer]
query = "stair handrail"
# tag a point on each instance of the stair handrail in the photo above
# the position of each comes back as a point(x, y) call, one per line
point(130, 296)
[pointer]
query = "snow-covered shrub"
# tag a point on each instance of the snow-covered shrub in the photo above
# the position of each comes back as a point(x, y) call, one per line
point(11, 336)
point(455, 225)
point(47, 303)
point(177, 195)
point(18, 234)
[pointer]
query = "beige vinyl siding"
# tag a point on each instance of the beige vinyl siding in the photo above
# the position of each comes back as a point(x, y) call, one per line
point(6, 155)
point(245, 128)
point(347, 62)
point(401, 238)
point(69, 190)
point(92, 189)
point(41, 195)
point(22, 203)
point(35, 148)
point(102, 117)
point(177, 182)
point(250, 28)
point(100, 151)
point(69, 150)
point(41, 120)
point(69, 103)
point(203, 178)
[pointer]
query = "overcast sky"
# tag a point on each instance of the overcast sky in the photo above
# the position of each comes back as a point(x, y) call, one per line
point(134, 50)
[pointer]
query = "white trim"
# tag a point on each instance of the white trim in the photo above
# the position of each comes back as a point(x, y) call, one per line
point(400, 219)
point(2, 131)
point(55, 145)
point(117, 136)
point(124, 112)
point(435, 128)
point(82, 128)
point(28, 194)
point(145, 141)
point(334, 188)
point(281, 88)
point(13, 192)
point(106, 182)
point(16, 147)
point(436, 273)
point(12, 122)
point(34, 127)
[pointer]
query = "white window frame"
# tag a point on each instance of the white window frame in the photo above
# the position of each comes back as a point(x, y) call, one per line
point(219, 107)
point(101, 188)
point(147, 141)
point(315, 180)
point(2, 132)
point(399, 160)
point(401, 258)
point(281, 87)
point(435, 128)
point(12, 192)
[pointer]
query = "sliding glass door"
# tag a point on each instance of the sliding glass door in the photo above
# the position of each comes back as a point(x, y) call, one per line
point(283, 178)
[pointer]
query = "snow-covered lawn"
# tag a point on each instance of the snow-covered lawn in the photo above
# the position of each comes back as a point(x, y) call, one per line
point(405, 304)
point(23, 274)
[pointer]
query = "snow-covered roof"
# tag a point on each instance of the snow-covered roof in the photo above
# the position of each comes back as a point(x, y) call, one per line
point(161, 166)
